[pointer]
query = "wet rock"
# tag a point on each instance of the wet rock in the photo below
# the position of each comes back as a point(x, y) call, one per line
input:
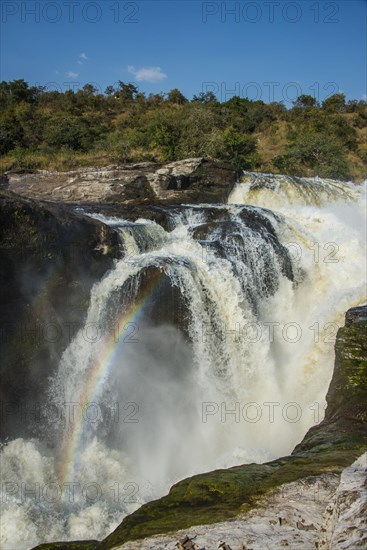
point(166, 305)
point(49, 259)
point(355, 314)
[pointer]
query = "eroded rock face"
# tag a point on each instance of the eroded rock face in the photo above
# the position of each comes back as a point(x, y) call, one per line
point(49, 259)
point(345, 517)
point(326, 512)
point(290, 517)
point(189, 180)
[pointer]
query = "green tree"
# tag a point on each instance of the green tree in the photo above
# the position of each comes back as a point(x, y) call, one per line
point(319, 153)
point(89, 89)
point(205, 97)
point(11, 133)
point(239, 149)
point(126, 92)
point(305, 102)
point(334, 103)
point(110, 90)
point(175, 96)
point(166, 136)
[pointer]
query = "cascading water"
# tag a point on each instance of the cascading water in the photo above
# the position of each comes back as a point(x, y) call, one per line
point(206, 346)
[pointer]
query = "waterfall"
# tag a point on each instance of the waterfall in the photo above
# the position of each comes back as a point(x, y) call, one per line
point(206, 346)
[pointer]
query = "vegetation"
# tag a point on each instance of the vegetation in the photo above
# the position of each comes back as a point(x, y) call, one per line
point(54, 130)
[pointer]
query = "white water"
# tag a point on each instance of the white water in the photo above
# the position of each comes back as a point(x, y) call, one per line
point(265, 356)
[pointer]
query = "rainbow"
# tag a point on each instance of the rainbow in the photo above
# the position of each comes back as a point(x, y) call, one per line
point(97, 375)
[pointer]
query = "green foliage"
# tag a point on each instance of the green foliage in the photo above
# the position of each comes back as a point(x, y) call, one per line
point(317, 151)
point(165, 136)
point(334, 103)
point(205, 97)
point(175, 96)
point(305, 102)
point(11, 133)
point(238, 149)
point(44, 128)
point(68, 133)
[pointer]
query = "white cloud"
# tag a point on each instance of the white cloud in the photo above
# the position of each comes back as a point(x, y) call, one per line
point(81, 58)
point(364, 97)
point(147, 74)
point(71, 74)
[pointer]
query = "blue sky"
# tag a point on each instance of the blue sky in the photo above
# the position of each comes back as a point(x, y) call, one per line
point(269, 50)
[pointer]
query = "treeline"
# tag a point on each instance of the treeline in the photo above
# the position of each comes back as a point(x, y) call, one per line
point(50, 129)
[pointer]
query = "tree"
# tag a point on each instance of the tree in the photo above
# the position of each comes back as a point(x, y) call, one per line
point(126, 92)
point(175, 96)
point(89, 89)
point(321, 153)
point(238, 148)
point(70, 133)
point(205, 97)
point(305, 102)
point(18, 90)
point(110, 90)
point(334, 103)
point(166, 137)
point(11, 133)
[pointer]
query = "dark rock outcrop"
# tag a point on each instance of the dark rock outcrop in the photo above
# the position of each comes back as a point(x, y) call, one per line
point(346, 413)
point(49, 259)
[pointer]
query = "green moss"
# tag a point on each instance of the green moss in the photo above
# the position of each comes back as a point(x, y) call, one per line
point(222, 495)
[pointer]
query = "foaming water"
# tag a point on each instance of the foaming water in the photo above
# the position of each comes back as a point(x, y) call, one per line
point(240, 376)
point(276, 190)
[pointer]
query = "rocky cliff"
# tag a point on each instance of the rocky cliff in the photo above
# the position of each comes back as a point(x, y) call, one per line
point(275, 503)
point(49, 259)
point(189, 180)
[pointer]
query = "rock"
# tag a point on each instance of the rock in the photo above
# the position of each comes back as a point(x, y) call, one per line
point(223, 235)
point(355, 314)
point(189, 180)
point(75, 545)
point(186, 543)
point(346, 413)
point(49, 259)
point(303, 527)
point(201, 179)
point(345, 518)
point(260, 528)
point(167, 307)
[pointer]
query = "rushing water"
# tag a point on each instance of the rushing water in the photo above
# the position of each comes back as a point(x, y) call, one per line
point(235, 370)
